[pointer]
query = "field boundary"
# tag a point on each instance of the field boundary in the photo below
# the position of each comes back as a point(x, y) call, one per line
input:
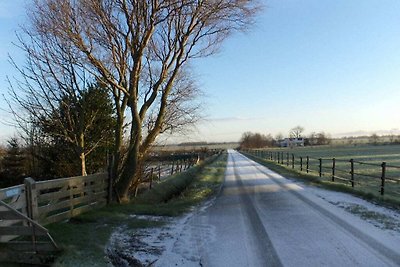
point(349, 172)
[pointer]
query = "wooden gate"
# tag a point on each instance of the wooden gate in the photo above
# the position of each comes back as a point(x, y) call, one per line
point(22, 240)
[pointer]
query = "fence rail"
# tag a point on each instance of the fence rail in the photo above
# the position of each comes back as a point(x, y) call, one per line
point(349, 171)
point(56, 200)
point(34, 245)
point(24, 208)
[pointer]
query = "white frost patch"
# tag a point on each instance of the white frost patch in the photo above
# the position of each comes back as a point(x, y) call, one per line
point(158, 246)
point(384, 218)
point(150, 218)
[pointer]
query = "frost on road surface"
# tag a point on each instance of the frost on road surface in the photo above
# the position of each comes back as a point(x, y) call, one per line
point(263, 219)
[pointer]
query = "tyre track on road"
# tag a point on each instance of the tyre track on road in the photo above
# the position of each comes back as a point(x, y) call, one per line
point(267, 250)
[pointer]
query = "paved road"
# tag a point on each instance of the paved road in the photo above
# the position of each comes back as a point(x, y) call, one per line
point(263, 219)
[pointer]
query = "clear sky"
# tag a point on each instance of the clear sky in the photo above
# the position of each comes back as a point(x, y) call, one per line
point(331, 65)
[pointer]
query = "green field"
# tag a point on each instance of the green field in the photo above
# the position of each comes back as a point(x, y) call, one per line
point(367, 166)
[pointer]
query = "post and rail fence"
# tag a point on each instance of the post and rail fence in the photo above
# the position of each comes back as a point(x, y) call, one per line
point(25, 208)
point(352, 172)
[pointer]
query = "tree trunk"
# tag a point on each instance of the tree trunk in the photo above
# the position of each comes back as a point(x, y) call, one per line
point(129, 174)
point(82, 155)
point(118, 147)
point(83, 163)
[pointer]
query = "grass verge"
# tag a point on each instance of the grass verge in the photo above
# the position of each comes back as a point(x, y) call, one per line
point(84, 238)
point(316, 181)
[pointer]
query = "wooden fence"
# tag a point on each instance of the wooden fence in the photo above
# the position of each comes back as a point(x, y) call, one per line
point(382, 176)
point(56, 200)
point(25, 208)
point(15, 198)
point(165, 168)
point(60, 199)
point(22, 239)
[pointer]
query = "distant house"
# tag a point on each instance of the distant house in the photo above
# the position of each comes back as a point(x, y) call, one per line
point(291, 142)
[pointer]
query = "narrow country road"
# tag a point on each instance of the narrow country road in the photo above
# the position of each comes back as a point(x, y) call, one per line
point(263, 219)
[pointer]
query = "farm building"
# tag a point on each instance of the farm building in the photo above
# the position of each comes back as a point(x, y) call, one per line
point(291, 142)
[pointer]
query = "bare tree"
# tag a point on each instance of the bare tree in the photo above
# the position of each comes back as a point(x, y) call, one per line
point(373, 139)
point(279, 137)
point(139, 49)
point(51, 90)
point(296, 132)
point(256, 140)
point(182, 110)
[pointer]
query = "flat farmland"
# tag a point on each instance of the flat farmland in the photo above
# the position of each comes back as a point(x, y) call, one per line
point(197, 147)
point(365, 174)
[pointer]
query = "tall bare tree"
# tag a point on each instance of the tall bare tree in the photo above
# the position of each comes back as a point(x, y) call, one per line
point(139, 49)
point(296, 132)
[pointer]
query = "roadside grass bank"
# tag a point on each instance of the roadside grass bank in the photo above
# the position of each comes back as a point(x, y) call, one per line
point(315, 180)
point(84, 238)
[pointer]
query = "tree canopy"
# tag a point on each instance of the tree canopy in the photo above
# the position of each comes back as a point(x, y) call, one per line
point(140, 51)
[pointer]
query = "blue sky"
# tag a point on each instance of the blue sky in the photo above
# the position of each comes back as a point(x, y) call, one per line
point(328, 65)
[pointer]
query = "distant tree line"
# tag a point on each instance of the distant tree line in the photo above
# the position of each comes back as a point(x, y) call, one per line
point(257, 140)
point(317, 139)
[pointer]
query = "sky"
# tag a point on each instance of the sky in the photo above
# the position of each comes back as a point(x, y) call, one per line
point(329, 66)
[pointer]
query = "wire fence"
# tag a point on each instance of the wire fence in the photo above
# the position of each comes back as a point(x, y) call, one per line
point(374, 177)
point(159, 167)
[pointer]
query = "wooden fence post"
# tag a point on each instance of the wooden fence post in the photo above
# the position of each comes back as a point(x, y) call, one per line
point(287, 159)
point(352, 172)
point(307, 164)
point(383, 178)
point(278, 157)
point(31, 198)
point(172, 167)
point(333, 169)
point(320, 167)
point(151, 177)
point(292, 161)
point(301, 164)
